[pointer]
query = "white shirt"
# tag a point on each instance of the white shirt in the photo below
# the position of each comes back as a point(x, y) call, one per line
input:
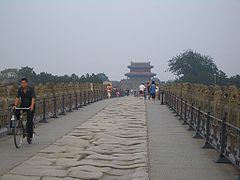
point(141, 87)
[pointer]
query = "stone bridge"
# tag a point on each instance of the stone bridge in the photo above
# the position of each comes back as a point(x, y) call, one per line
point(90, 137)
point(51, 100)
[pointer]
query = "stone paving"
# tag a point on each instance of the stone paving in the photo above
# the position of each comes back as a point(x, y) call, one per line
point(47, 133)
point(175, 155)
point(112, 145)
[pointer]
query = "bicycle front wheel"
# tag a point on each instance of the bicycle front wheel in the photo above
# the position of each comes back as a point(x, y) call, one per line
point(18, 134)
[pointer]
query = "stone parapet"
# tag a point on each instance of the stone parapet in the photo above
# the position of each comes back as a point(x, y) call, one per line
point(214, 99)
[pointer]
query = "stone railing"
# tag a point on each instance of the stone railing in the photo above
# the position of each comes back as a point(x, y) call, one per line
point(52, 100)
point(212, 112)
point(217, 133)
point(216, 100)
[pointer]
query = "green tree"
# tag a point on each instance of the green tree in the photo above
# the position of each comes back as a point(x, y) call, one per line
point(74, 78)
point(103, 77)
point(87, 76)
point(9, 75)
point(28, 73)
point(13, 75)
point(235, 80)
point(193, 67)
point(45, 77)
point(221, 78)
point(82, 78)
point(94, 78)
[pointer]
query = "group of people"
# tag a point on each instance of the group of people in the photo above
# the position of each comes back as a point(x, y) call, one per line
point(26, 98)
point(112, 91)
point(150, 90)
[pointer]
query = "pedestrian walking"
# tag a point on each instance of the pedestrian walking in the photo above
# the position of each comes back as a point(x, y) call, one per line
point(148, 90)
point(141, 90)
point(153, 90)
point(109, 90)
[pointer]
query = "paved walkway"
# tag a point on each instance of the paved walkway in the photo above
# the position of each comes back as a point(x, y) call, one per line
point(174, 155)
point(112, 145)
point(115, 143)
point(48, 133)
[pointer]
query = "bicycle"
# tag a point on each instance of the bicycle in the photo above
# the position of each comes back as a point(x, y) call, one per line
point(19, 128)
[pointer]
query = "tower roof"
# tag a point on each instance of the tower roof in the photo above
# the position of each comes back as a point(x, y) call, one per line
point(135, 74)
point(140, 65)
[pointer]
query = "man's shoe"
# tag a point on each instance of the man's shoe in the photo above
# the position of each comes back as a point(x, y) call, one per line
point(29, 140)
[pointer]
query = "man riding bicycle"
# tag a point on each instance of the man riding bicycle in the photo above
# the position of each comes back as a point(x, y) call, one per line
point(27, 96)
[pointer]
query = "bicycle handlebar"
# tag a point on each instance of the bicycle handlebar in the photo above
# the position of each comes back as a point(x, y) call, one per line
point(22, 108)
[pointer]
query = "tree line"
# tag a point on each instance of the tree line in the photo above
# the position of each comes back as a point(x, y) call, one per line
point(193, 67)
point(14, 75)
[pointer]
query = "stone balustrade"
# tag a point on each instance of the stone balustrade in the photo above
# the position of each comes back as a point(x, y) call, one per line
point(52, 95)
point(214, 99)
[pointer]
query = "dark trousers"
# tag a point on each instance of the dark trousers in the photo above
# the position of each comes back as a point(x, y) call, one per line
point(29, 125)
point(145, 94)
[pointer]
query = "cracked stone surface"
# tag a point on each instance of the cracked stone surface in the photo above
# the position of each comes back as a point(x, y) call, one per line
point(110, 145)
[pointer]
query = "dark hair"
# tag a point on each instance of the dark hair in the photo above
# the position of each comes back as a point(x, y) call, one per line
point(153, 82)
point(24, 79)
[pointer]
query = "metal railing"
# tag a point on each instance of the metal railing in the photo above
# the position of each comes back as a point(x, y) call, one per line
point(55, 105)
point(217, 133)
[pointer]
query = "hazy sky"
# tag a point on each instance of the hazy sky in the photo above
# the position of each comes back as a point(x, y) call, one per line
point(80, 36)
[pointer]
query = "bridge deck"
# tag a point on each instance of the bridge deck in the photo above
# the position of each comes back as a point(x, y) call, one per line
point(112, 144)
point(48, 133)
point(175, 155)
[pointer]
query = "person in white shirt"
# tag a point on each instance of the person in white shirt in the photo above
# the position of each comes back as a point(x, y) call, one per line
point(141, 89)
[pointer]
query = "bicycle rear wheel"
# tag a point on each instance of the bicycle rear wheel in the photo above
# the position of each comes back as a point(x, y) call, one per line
point(18, 134)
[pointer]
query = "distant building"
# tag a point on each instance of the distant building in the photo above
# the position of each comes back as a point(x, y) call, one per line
point(140, 72)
